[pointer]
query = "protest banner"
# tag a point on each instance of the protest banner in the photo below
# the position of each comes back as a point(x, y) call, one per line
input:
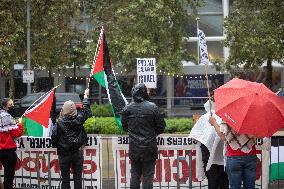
point(38, 165)
point(176, 164)
point(146, 72)
point(204, 56)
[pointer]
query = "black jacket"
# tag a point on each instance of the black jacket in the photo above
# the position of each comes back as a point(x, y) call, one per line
point(143, 121)
point(68, 134)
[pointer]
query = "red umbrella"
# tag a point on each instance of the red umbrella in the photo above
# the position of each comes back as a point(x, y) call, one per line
point(249, 107)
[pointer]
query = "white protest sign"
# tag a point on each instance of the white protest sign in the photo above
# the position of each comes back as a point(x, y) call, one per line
point(203, 47)
point(176, 163)
point(176, 159)
point(146, 72)
point(28, 76)
point(38, 165)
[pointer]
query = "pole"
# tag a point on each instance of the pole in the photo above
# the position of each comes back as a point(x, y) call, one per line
point(208, 88)
point(28, 43)
point(206, 65)
point(74, 74)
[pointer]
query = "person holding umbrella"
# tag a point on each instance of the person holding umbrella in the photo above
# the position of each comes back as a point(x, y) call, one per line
point(241, 156)
point(248, 110)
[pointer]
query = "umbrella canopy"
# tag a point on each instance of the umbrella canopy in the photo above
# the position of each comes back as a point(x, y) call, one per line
point(249, 107)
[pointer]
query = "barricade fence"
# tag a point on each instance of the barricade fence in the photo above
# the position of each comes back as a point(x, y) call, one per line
point(107, 165)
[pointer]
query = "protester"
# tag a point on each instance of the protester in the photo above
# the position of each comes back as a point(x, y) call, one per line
point(241, 157)
point(9, 130)
point(209, 151)
point(69, 137)
point(144, 122)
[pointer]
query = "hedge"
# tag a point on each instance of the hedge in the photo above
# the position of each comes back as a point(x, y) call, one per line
point(107, 125)
point(103, 110)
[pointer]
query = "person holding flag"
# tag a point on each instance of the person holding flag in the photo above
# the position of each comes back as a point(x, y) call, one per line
point(102, 71)
point(9, 130)
point(69, 137)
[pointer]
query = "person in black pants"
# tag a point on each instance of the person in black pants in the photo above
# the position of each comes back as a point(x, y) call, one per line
point(216, 175)
point(9, 130)
point(143, 121)
point(69, 137)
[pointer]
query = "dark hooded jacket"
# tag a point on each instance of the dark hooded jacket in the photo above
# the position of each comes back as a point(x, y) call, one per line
point(68, 134)
point(143, 121)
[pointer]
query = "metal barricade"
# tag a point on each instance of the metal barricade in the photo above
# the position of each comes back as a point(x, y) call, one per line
point(175, 166)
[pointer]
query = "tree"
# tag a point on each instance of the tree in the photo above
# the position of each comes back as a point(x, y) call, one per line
point(55, 38)
point(255, 34)
point(141, 29)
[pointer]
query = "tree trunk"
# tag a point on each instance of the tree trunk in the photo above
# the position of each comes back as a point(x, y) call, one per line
point(12, 83)
point(269, 73)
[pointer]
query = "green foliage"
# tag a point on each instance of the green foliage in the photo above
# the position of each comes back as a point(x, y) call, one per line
point(55, 37)
point(102, 125)
point(103, 110)
point(144, 29)
point(178, 125)
point(107, 125)
point(255, 33)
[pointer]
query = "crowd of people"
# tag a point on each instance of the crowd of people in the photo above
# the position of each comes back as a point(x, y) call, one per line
point(140, 118)
point(144, 122)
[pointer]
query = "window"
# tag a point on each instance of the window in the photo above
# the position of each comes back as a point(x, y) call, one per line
point(211, 25)
point(214, 48)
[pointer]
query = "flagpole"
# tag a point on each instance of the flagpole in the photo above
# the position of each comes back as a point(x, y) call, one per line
point(208, 88)
point(96, 53)
point(40, 98)
point(206, 65)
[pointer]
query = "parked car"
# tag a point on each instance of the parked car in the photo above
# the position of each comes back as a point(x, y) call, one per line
point(23, 104)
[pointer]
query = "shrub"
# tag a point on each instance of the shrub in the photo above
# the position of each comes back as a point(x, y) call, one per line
point(103, 110)
point(107, 125)
point(102, 125)
point(178, 125)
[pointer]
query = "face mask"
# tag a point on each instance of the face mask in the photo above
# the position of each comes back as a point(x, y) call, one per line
point(11, 111)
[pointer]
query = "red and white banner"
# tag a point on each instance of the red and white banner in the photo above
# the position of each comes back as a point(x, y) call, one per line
point(38, 165)
point(176, 164)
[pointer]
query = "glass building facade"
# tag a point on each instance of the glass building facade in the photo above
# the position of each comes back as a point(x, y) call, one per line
point(210, 21)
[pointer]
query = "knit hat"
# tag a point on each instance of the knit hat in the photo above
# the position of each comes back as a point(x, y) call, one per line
point(68, 109)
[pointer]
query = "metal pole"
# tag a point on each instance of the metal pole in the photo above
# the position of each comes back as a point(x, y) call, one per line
point(197, 27)
point(226, 7)
point(28, 43)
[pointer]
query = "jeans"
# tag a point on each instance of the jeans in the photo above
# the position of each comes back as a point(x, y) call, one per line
point(145, 169)
point(241, 169)
point(8, 158)
point(65, 163)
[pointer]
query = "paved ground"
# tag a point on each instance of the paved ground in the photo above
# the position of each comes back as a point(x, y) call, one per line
point(277, 185)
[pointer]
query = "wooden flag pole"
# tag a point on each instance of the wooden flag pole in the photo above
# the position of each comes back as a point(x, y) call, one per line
point(208, 88)
point(204, 62)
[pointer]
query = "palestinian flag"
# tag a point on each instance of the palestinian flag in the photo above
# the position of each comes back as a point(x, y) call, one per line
point(103, 73)
point(37, 120)
point(277, 159)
